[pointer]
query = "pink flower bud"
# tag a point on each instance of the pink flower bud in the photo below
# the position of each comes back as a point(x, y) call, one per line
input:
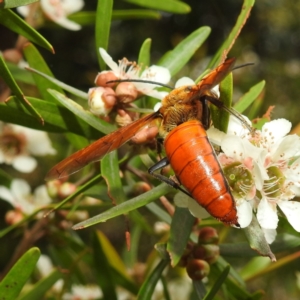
point(13, 217)
point(66, 189)
point(197, 269)
point(101, 100)
point(208, 235)
point(105, 76)
point(126, 92)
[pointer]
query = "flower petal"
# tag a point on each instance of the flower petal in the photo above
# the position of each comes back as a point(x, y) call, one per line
point(20, 188)
point(184, 81)
point(5, 194)
point(25, 164)
point(291, 209)
point(109, 61)
point(276, 129)
point(197, 210)
point(41, 196)
point(156, 73)
point(215, 135)
point(287, 147)
point(244, 212)
point(72, 6)
point(270, 235)
point(267, 215)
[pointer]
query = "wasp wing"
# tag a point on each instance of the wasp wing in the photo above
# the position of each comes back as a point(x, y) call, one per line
point(214, 77)
point(98, 149)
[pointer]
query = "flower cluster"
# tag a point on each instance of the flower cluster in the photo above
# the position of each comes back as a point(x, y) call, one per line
point(106, 96)
point(263, 170)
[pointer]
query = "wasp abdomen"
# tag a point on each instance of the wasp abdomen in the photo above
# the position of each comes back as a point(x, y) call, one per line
point(195, 164)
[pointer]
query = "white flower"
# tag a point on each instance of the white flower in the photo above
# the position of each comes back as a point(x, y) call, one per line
point(57, 11)
point(271, 157)
point(20, 197)
point(130, 70)
point(81, 292)
point(17, 143)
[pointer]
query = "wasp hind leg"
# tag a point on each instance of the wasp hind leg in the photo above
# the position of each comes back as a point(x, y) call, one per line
point(158, 166)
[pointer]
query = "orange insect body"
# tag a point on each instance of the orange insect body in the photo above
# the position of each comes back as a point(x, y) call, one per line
point(184, 120)
point(195, 164)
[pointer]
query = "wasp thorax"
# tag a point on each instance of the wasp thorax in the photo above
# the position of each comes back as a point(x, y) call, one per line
point(240, 179)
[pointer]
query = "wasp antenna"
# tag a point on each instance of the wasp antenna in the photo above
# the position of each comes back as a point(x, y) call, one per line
point(242, 66)
point(141, 80)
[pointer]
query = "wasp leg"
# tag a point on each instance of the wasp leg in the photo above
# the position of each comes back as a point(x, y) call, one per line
point(159, 165)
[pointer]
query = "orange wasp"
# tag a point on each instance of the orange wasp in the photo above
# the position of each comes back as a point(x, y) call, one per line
point(185, 119)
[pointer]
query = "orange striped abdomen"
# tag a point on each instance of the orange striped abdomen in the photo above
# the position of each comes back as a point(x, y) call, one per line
point(195, 164)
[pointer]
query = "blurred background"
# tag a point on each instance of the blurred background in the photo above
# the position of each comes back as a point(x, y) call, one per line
point(270, 39)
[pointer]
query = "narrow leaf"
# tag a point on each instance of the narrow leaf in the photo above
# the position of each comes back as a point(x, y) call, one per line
point(177, 58)
point(217, 284)
point(172, 6)
point(104, 270)
point(12, 21)
point(147, 289)
point(199, 289)
point(220, 117)
point(36, 61)
point(85, 115)
point(111, 173)
point(103, 21)
point(42, 286)
point(10, 81)
point(60, 84)
point(181, 227)
point(57, 118)
point(233, 35)
point(15, 279)
point(144, 55)
point(247, 99)
point(257, 239)
point(89, 17)
point(15, 3)
point(126, 207)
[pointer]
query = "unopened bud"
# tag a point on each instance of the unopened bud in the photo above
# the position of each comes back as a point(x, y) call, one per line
point(208, 235)
point(197, 269)
point(13, 217)
point(209, 253)
point(12, 55)
point(126, 92)
point(123, 118)
point(66, 189)
point(53, 187)
point(186, 256)
point(104, 77)
point(101, 100)
point(145, 135)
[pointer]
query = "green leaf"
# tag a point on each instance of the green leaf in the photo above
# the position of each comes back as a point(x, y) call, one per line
point(57, 118)
point(127, 206)
point(20, 74)
point(15, 3)
point(257, 239)
point(36, 61)
point(5, 178)
point(58, 83)
point(255, 265)
point(111, 173)
point(10, 81)
point(89, 17)
point(85, 115)
point(247, 99)
point(172, 6)
point(12, 21)
point(42, 286)
point(16, 278)
point(217, 284)
point(229, 42)
point(220, 117)
point(102, 30)
point(199, 289)
point(147, 289)
point(104, 269)
point(144, 55)
point(177, 58)
point(181, 227)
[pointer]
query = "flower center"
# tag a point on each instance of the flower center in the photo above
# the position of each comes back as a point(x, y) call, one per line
point(239, 179)
point(273, 186)
point(11, 144)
